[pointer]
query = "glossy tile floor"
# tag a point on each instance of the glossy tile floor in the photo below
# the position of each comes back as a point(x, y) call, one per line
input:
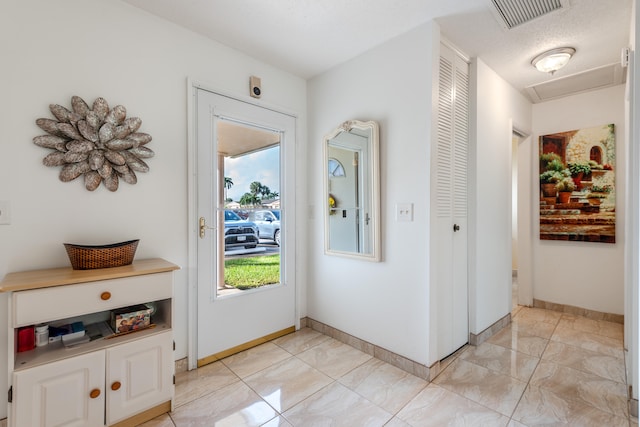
point(545, 369)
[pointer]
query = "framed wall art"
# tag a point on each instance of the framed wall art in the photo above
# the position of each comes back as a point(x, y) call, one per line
point(577, 185)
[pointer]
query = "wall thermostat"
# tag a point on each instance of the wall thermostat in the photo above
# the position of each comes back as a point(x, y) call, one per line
point(255, 88)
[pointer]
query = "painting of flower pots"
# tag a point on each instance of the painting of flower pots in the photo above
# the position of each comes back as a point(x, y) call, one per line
point(577, 185)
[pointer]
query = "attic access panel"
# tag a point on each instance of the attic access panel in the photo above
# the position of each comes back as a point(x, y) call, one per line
point(597, 78)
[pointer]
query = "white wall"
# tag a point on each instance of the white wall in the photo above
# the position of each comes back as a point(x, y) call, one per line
point(586, 275)
point(90, 48)
point(496, 108)
point(385, 303)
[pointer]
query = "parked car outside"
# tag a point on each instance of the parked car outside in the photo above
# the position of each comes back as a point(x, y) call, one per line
point(239, 233)
point(268, 223)
point(244, 214)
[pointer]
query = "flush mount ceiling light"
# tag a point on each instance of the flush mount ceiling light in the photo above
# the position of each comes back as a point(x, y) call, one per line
point(552, 60)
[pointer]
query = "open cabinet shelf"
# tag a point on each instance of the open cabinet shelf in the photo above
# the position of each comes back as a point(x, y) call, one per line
point(117, 379)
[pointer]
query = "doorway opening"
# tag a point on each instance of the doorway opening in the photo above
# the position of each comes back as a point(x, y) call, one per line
point(522, 197)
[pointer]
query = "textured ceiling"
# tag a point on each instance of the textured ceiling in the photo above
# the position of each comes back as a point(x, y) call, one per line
point(597, 29)
point(308, 37)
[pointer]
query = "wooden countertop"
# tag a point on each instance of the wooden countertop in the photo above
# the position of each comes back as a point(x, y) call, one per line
point(35, 279)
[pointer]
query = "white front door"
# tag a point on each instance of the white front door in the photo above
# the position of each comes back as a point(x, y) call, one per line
point(239, 147)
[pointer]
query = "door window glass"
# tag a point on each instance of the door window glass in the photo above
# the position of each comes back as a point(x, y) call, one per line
point(249, 173)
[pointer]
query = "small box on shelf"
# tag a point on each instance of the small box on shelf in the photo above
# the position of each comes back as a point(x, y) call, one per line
point(130, 319)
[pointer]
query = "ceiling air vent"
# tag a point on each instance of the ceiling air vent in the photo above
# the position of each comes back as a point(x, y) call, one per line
point(512, 13)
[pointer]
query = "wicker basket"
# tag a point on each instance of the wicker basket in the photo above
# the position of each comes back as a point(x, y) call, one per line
point(84, 257)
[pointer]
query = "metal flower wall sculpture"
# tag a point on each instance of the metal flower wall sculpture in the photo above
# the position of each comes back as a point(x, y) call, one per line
point(99, 143)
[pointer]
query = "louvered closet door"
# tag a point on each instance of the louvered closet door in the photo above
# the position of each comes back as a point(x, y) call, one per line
point(450, 233)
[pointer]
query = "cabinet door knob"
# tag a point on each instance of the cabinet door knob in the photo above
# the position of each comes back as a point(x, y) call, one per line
point(105, 296)
point(94, 393)
point(116, 386)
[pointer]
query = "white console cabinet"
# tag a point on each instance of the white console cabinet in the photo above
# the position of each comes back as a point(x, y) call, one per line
point(115, 380)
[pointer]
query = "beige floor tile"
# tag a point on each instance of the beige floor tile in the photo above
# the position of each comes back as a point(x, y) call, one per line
point(301, 340)
point(233, 406)
point(543, 407)
point(385, 385)
point(580, 381)
point(278, 422)
point(600, 327)
point(287, 383)
point(502, 360)
point(334, 358)
point(397, 422)
point(533, 327)
point(161, 421)
point(588, 389)
point(191, 385)
point(495, 391)
point(587, 341)
point(255, 359)
point(603, 365)
point(444, 363)
point(519, 340)
point(337, 406)
point(539, 315)
point(516, 309)
point(438, 407)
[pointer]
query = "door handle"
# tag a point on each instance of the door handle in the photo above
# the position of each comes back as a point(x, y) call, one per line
point(204, 227)
point(456, 227)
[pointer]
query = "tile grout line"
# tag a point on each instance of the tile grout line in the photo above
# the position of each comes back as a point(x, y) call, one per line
point(463, 396)
point(332, 382)
point(573, 368)
point(624, 361)
point(336, 380)
point(533, 373)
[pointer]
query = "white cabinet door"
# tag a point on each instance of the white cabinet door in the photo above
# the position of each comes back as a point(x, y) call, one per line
point(67, 393)
point(139, 376)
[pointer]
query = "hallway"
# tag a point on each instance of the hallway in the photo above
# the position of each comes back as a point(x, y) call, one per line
point(546, 368)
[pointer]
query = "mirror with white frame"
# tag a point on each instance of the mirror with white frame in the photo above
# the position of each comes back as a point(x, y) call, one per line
point(351, 191)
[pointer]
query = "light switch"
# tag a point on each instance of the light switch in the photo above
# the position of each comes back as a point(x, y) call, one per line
point(5, 213)
point(404, 212)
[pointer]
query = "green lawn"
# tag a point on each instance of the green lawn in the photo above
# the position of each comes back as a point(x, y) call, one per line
point(252, 272)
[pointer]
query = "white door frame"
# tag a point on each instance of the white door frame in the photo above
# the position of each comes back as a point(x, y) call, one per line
point(192, 213)
point(526, 159)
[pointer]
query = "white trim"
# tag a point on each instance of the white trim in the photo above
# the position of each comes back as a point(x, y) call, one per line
point(192, 224)
point(246, 99)
point(632, 244)
point(459, 53)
